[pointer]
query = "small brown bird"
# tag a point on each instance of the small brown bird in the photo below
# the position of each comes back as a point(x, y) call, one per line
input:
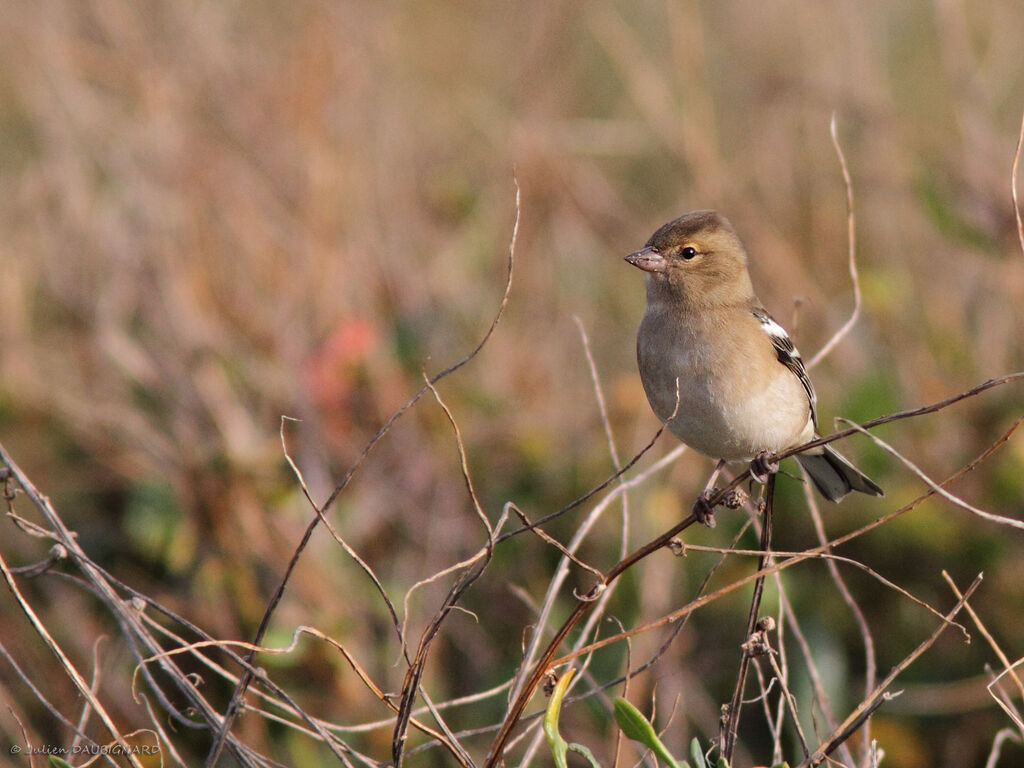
point(743, 391)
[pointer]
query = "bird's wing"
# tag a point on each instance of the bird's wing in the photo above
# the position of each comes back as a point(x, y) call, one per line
point(788, 355)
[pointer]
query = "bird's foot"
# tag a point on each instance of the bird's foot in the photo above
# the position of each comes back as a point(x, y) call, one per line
point(702, 509)
point(763, 465)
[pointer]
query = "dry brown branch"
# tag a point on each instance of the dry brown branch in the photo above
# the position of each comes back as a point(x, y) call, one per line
point(562, 571)
point(903, 415)
point(829, 557)
point(811, 667)
point(543, 536)
point(94, 685)
point(599, 394)
point(1007, 734)
point(162, 737)
point(956, 500)
point(870, 662)
point(852, 250)
point(1013, 187)
point(84, 689)
point(472, 571)
point(411, 687)
point(232, 709)
point(546, 660)
point(805, 555)
point(336, 535)
point(877, 697)
point(25, 738)
point(1008, 668)
point(789, 699)
point(731, 721)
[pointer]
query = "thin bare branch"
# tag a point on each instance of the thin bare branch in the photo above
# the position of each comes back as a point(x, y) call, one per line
point(1007, 734)
point(69, 667)
point(870, 662)
point(852, 249)
point(552, 541)
point(1008, 668)
point(562, 571)
point(232, 708)
point(992, 518)
point(866, 707)
point(94, 687)
point(731, 721)
point(787, 696)
point(829, 557)
point(1013, 186)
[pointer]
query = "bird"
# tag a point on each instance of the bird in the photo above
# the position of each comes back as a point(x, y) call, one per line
point(720, 373)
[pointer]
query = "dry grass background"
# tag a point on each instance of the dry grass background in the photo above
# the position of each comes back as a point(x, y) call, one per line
point(218, 213)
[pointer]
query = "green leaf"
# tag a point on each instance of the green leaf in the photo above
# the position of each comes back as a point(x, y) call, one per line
point(57, 762)
point(579, 748)
point(698, 754)
point(638, 728)
point(633, 723)
point(723, 763)
point(556, 743)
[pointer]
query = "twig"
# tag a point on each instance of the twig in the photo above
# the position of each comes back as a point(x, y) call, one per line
point(366, 568)
point(494, 756)
point(830, 557)
point(112, 600)
point(879, 696)
point(992, 518)
point(232, 709)
point(562, 571)
point(787, 696)
point(544, 536)
point(1008, 668)
point(411, 685)
point(731, 724)
point(83, 719)
point(1007, 734)
point(162, 738)
point(870, 662)
point(851, 245)
point(413, 675)
point(1013, 186)
point(47, 704)
point(902, 415)
point(813, 674)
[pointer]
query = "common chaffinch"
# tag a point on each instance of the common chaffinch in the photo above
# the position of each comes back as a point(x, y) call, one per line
point(743, 391)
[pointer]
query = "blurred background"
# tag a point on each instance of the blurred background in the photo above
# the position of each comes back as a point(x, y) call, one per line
point(216, 214)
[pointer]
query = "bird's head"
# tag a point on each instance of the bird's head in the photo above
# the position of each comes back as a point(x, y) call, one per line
point(697, 258)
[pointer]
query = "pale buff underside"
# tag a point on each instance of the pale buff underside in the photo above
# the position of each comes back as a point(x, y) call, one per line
point(722, 413)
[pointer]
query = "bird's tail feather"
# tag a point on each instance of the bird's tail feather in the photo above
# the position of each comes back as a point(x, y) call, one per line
point(834, 476)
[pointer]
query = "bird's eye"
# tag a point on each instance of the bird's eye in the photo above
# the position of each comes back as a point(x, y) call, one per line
point(688, 252)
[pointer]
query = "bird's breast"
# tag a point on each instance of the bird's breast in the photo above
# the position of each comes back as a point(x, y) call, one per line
point(727, 406)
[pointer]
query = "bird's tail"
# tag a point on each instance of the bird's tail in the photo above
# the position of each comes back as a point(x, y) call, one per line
point(834, 476)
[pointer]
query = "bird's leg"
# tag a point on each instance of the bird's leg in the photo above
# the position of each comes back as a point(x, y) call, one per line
point(764, 464)
point(702, 509)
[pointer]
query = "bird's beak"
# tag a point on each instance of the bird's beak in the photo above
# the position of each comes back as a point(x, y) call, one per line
point(648, 259)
